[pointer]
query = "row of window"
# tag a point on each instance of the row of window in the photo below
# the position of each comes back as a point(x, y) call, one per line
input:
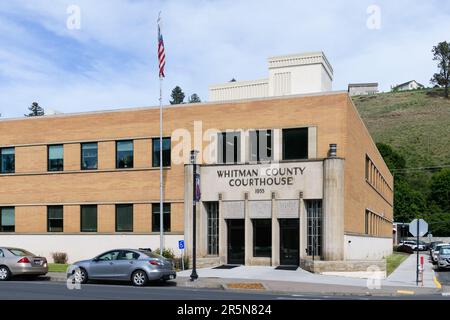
point(89, 218)
point(374, 224)
point(376, 180)
point(295, 147)
point(89, 156)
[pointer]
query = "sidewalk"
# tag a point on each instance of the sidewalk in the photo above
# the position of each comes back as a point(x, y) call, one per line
point(405, 274)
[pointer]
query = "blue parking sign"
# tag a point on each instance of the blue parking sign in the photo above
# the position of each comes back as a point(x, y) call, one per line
point(181, 244)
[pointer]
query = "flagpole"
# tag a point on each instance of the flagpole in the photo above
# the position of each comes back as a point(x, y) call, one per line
point(161, 183)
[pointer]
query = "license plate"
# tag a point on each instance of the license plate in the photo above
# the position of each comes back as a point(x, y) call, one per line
point(38, 262)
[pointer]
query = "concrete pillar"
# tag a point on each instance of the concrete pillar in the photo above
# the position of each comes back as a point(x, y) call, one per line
point(312, 142)
point(202, 230)
point(303, 229)
point(223, 252)
point(248, 233)
point(333, 209)
point(275, 234)
point(277, 145)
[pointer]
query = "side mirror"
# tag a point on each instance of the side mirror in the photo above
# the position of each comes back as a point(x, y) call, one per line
point(95, 259)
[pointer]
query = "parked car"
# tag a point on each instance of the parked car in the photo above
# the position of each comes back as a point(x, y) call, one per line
point(434, 254)
point(16, 261)
point(135, 265)
point(433, 245)
point(414, 245)
point(443, 257)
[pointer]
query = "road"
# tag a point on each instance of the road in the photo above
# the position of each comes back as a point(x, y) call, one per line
point(38, 290)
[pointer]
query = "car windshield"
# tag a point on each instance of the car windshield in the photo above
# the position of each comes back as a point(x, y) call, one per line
point(445, 251)
point(20, 252)
point(151, 254)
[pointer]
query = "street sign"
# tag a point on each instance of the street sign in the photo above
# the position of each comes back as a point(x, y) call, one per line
point(422, 228)
point(181, 244)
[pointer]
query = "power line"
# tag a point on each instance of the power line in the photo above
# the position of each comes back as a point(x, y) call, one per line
point(422, 168)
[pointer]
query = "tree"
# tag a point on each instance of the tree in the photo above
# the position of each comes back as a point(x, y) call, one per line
point(194, 98)
point(440, 190)
point(408, 203)
point(177, 96)
point(393, 159)
point(35, 110)
point(441, 54)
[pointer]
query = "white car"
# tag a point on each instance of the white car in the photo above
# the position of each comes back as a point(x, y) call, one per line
point(413, 245)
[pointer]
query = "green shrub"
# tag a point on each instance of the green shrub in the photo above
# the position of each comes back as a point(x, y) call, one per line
point(167, 253)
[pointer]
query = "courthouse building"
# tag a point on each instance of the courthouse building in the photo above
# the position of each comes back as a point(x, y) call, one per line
point(285, 176)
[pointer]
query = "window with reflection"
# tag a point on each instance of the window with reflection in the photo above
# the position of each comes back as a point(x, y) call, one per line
point(7, 160)
point(165, 152)
point(89, 156)
point(55, 219)
point(56, 158)
point(124, 218)
point(7, 220)
point(261, 142)
point(124, 154)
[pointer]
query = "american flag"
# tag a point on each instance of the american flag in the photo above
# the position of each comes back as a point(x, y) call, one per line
point(161, 52)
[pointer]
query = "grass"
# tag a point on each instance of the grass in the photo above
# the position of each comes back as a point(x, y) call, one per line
point(415, 123)
point(394, 260)
point(56, 267)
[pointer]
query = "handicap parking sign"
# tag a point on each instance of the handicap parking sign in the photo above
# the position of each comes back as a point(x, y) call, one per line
point(181, 244)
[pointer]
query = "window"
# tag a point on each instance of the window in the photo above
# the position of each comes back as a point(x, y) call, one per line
point(212, 209)
point(229, 150)
point(7, 223)
point(156, 217)
point(55, 219)
point(166, 152)
point(128, 255)
point(124, 218)
point(262, 237)
point(261, 142)
point(295, 144)
point(314, 232)
point(88, 218)
point(89, 156)
point(124, 154)
point(56, 158)
point(7, 160)
point(2, 255)
point(109, 256)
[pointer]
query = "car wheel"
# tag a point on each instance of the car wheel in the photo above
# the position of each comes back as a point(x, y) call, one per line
point(5, 274)
point(80, 276)
point(139, 278)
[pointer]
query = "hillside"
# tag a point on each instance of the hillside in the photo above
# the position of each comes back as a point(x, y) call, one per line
point(415, 123)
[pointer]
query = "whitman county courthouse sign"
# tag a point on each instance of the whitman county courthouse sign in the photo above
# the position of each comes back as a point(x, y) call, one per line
point(260, 180)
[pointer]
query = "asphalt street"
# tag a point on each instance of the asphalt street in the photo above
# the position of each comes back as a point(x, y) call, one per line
point(38, 290)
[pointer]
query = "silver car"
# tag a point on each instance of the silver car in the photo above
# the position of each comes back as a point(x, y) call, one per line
point(135, 265)
point(443, 257)
point(15, 261)
point(435, 252)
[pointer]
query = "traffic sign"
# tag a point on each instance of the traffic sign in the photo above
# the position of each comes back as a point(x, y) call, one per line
point(181, 244)
point(423, 227)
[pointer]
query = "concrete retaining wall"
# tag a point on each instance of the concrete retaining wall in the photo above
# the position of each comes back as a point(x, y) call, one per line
point(80, 247)
point(343, 266)
point(366, 248)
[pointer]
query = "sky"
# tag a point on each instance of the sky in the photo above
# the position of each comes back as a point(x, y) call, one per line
point(107, 59)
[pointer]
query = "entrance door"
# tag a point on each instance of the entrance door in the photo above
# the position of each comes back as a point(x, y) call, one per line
point(236, 241)
point(289, 242)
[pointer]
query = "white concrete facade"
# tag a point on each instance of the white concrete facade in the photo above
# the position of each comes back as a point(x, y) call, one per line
point(355, 247)
point(288, 75)
point(84, 246)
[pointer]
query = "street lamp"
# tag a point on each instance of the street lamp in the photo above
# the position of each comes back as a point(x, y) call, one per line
point(195, 198)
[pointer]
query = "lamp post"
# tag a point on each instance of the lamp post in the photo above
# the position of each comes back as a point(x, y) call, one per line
point(194, 275)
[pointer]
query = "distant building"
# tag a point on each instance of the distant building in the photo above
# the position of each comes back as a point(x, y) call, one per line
point(356, 89)
point(410, 85)
point(288, 75)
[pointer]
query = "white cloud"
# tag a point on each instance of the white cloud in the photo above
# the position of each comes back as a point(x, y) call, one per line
point(111, 61)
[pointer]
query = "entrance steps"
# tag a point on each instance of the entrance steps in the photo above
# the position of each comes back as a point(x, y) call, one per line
point(207, 262)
